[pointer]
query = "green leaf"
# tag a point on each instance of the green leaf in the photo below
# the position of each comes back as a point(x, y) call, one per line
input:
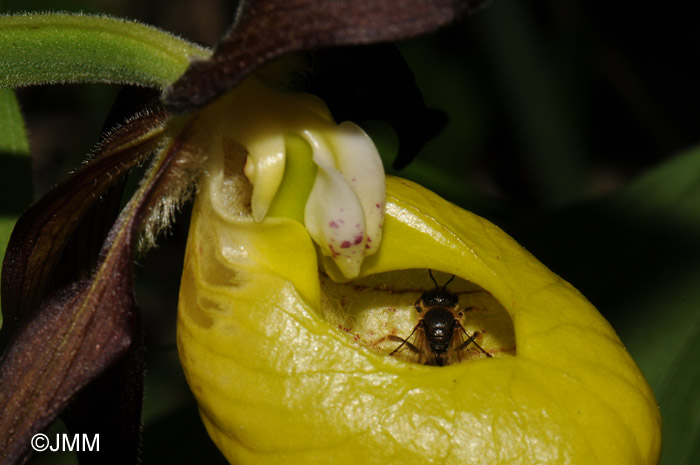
point(6, 224)
point(635, 254)
point(66, 48)
point(662, 322)
point(13, 137)
point(15, 168)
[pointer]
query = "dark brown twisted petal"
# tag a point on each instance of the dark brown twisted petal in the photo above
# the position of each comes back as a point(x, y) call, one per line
point(111, 407)
point(81, 329)
point(266, 29)
point(48, 227)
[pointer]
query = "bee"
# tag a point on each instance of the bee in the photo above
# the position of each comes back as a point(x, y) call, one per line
point(439, 334)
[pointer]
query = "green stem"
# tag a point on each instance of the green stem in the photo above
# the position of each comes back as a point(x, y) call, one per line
point(68, 48)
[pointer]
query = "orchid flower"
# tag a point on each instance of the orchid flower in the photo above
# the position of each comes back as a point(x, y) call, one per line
point(294, 220)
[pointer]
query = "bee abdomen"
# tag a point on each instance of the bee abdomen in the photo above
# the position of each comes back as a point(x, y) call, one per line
point(439, 324)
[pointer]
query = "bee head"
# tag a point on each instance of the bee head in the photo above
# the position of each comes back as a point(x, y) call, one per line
point(438, 297)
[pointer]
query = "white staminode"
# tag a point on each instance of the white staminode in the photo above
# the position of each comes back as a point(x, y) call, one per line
point(265, 170)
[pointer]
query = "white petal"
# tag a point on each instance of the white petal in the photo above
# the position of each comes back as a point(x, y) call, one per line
point(333, 215)
point(358, 161)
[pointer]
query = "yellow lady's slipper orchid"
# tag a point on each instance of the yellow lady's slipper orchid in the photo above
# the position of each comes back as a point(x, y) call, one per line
point(290, 364)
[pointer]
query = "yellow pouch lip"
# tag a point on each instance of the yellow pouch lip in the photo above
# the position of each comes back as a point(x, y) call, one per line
point(571, 392)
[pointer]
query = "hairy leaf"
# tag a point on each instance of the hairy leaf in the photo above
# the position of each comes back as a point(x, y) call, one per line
point(64, 48)
point(266, 29)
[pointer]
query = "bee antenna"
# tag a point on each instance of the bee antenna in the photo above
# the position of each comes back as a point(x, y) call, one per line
point(430, 272)
point(448, 282)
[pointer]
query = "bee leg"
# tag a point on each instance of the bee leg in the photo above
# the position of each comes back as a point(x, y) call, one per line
point(404, 342)
point(471, 340)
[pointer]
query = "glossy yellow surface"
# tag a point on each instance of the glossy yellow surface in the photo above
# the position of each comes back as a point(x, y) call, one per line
point(277, 384)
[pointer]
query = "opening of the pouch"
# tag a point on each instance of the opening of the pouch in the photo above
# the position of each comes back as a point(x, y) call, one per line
point(420, 316)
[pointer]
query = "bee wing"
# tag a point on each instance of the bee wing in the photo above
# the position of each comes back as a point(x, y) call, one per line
point(421, 343)
point(461, 342)
point(457, 352)
point(414, 348)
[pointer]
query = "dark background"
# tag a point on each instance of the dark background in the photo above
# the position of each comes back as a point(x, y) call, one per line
point(562, 114)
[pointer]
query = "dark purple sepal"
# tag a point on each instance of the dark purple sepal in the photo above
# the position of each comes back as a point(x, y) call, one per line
point(267, 29)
